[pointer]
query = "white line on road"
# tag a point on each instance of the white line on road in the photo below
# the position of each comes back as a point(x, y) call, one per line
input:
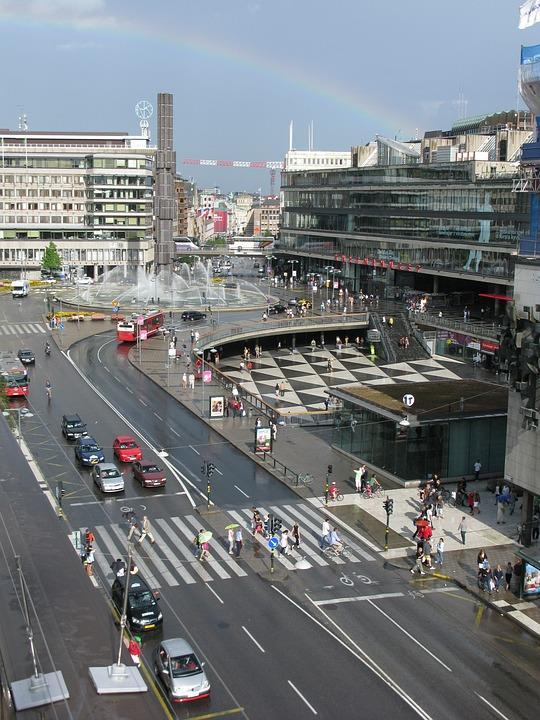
point(117, 379)
point(214, 593)
point(158, 416)
point(218, 471)
point(143, 403)
point(357, 598)
point(491, 706)
point(194, 450)
point(361, 655)
point(252, 638)
point(409, 635)
point(297, 691)
point(240, 490)
point(106, 368)
point(129, 390)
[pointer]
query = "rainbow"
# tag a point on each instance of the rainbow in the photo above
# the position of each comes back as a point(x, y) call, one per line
point(384, 120)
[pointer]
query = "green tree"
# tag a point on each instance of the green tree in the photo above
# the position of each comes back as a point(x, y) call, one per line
point(51, 258)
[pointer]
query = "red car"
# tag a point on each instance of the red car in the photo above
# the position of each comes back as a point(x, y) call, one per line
point(126, 449)
point(149, 474)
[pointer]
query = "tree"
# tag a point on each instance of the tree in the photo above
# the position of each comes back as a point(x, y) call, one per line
point(51, 258)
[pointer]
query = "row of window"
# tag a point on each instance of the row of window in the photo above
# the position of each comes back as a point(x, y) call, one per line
point(66, 207)
point(98, 256)
point(80, 163)
point(73, 220)
point(29, 193)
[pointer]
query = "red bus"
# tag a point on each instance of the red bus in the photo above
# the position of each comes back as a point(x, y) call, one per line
point(128, 330)
point(13, 376)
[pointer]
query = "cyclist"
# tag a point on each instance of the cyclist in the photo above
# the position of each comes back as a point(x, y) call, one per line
point(332, 541)
point(48, 389)
point(372, 486)
point(47, 348)
point(333, 491)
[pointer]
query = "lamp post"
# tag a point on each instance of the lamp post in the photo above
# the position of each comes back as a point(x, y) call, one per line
point(293, 270)
point(269, 259)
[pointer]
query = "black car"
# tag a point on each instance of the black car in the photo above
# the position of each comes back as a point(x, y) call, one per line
point(142, 611)
point(73, 427)
point(193, 315)
point(276, 309)
point(88, 452)
point(26, 356)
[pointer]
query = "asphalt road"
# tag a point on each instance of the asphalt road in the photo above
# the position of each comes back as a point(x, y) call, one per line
point(291, 645)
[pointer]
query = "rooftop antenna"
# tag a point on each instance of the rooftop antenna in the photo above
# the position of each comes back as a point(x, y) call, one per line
point(291, 127)
point(23, 121)
point(144, 111)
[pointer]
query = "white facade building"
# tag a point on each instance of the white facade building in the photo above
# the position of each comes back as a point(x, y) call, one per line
point(317, 159)
point(89, 193)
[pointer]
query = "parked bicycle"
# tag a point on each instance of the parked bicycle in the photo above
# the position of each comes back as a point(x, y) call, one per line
point(304, 479)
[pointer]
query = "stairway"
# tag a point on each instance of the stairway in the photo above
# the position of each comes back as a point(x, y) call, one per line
point(401, 327)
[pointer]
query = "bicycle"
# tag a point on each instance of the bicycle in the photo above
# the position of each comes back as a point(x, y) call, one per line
point(338, 496)
point(48, 391)
point(335, 550)
point(304, 479)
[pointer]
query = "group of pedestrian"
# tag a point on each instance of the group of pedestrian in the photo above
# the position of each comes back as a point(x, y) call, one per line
point(88, 553)
point(188, 380)
point(492, 579)
point(505, 501)
point(235, 540)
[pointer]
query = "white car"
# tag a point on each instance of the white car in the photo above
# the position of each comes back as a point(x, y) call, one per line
point(84, 280)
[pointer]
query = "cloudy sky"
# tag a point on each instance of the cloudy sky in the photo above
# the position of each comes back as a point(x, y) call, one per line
point(241, 70)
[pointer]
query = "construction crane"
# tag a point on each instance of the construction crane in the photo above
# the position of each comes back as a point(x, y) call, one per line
point(271, 165)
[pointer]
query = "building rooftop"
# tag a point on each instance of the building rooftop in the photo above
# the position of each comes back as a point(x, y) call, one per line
point(433, 400)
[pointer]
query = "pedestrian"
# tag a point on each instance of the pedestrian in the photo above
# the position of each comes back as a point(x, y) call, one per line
point(273, 425)
point(295, 534)
point(325, 531)
point(88, 560)
point(134, 526)
point(118, 567)
point(276, 390)
point(204, 547)
point(89, 537)
point(476, 503)
point(440, 507)
point(191, 381)
point(238, 541)
point(508, 576)
point(282, 389)
point(498, 577)
point(501, 510)
point(462, 528)
point(134, 649)
point(517, 572)
point(358, 479)
point(439, 552)
point(230, 540)
point(497, 493)
point(184, 381)
point(146, 531)
point(481, 558)
point(284, 542)
point(477, 467)
point(197, 541)
point(418, 561)
point(427, 549)
point(192, 337)
point(470, 502)
point(258, 423)
point(197, 336)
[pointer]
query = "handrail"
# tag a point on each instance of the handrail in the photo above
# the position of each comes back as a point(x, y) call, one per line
point(466, 328)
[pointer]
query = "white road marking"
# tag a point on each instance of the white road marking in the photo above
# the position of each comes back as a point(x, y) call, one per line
point(357, 598)
point(117, 379)
point(214, 593)
point(106, 368)
point(143, 403)
point(252, 638)
point(129, 390)
point(491, 706)
point(194, 449)
point(240, 490)
point(218, 471)
point(174, 431)
point(297, 691)
point(361, 655)
point(411, 637)
point(158, 416)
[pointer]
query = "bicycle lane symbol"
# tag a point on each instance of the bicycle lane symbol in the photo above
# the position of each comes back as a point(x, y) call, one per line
point(349, 582)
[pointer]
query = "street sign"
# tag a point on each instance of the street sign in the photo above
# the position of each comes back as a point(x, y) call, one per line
point(273, 543)
point(140, 320)
point(116, 308)
point(143, 334)
point(408, 400)
point(61, 326)
point(172, 352)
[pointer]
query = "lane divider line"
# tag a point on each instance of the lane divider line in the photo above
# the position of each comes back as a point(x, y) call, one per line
point(297, 691)
point(253, 639)
point(214, 593)
point(240, 490)
point(491, 706)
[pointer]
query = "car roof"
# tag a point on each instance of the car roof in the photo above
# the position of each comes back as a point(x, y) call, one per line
point(71, 418)
point(124, 438)
point(26, 350)
point(87, 440)
point(147, 463)
point(107, 466)
point(136, 582)
point(177, 646)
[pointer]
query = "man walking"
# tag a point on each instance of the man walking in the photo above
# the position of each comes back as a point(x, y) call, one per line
point(419, 558)
point(358, 479)
point(439, 556)
point(284, 542)
point(230, 540)
point(238, 541)
point(146, 531)
point(325, 531)
point(463, 527)
point(477, 467)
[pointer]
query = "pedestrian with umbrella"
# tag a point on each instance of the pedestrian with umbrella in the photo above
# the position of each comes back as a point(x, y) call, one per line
point(204, 544)
point(230, 536)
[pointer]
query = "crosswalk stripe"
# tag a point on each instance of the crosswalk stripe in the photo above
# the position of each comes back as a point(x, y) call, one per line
point(223, 574)
point(258, 538)
point(102, 562)
point(41, 329)
point(158, 562)
point(219, 550)
point(31, 329)
point(187, 554)
point(306, 521)
point(305, 535)
point(111, 548)
point(10, 330)
point(352, 545)
point(150, 579)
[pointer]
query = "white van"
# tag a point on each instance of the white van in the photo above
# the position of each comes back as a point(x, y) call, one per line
point(19, 288)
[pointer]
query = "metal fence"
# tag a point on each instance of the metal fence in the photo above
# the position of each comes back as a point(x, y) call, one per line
point(466, 328)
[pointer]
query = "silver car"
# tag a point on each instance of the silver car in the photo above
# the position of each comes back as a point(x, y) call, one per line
point(180, 671)
point(108, 477)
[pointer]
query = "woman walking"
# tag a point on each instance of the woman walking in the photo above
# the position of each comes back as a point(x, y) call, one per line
point(295, 535)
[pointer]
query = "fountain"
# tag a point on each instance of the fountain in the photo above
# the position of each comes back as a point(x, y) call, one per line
point(182, 287)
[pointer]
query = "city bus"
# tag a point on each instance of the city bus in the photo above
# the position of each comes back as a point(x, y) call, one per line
point(128, 330)
point(13, 376)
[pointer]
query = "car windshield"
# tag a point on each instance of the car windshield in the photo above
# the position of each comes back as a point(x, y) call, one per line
point(150, 469)
point(90, 447)
point(141, 600)
point(128, 445)
point(110, 473)
point(74, 423)
point(184, 665)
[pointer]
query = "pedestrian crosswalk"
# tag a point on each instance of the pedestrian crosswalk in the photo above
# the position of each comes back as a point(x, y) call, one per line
point(173, 560)
point(22, 329)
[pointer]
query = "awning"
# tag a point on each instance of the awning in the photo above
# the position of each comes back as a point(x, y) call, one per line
point(494, 296)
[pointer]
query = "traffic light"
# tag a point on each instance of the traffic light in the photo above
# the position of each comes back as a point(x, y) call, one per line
point(210, 469)
point(277, 524)
point(388, 505)
point(329, 471)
